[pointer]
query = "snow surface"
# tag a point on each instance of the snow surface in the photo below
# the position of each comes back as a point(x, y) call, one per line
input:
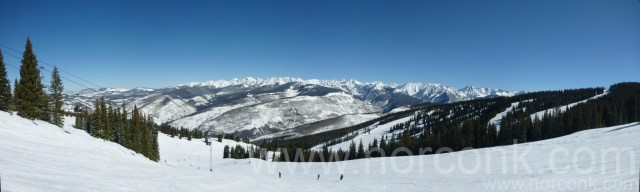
point(43, 157)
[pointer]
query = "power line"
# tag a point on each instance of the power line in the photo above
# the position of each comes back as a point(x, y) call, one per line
point(48, 71)
point(12, 66)
point(41, 61)
point(99, 92)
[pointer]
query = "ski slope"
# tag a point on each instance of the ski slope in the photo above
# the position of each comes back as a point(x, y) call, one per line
point(498, 118)
point(37, 156)
point(376, 131)
point(563, 108)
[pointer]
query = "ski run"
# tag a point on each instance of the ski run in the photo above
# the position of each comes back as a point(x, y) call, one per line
point(37, 156)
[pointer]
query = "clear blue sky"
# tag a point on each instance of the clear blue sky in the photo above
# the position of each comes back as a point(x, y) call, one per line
point(512, 44)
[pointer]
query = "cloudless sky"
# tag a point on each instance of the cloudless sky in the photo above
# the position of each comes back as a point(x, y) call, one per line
point(511, 44)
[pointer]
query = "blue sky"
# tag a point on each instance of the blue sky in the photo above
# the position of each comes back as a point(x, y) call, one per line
point(511, 44)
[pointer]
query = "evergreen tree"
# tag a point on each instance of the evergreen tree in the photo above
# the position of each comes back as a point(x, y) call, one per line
point(155, 148)
point(31, 98)
point(56, 98)
point(383, 145)
point(5, 87)
point(360, 154)
point(97, 125)
point(79, 124)
point(536, 130)
point(117, 122)
point(14, 100)
point(492, 136)
point(134, 130)
point(106, 123)
point(148, 137)
point(126, 129)
point(87, 122)
point(352, 150)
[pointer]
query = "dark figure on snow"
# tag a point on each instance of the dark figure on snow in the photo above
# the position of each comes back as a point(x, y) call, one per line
point(279, 175)
point(341, 176)
point(318, 177)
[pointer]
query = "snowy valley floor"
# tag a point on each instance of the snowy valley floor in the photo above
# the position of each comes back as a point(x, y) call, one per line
point(36, 156)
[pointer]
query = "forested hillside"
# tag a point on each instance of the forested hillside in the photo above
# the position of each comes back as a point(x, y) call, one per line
point(476, 124)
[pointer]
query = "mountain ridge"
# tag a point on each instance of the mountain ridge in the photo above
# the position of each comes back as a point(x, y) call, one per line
point(246, 105)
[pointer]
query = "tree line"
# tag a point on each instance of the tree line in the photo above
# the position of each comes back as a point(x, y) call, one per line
point(182, 132)
point(30, 98)
point(239, 152)
point(137, 132)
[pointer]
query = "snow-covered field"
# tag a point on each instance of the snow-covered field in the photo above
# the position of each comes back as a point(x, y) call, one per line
point(43, 157)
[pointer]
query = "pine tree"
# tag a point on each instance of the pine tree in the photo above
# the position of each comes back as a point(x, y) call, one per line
point(360, 154)
point(14, 100)
point(536, 131)
point(492, 136)
point(126, 130)
point(225, 152)
point(155, 147)
point(56, 98)
point(352, 150)
point(96, 121)
point(134, 128)
point(5, 87)
point(383, 145)
point(149, 137)
point(106, 123)
point(87, 122)
point(114, 120)
point(31, 98)
point(79, 122)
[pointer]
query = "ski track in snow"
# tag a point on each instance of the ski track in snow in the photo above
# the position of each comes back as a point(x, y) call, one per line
point(498, 118)
point(563, 108)
point(43, 157)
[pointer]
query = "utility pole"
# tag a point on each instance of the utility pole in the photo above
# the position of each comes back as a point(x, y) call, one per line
point(210, 152)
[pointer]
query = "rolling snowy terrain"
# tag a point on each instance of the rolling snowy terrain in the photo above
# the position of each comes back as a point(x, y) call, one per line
point(224, 106)
point(37, 156)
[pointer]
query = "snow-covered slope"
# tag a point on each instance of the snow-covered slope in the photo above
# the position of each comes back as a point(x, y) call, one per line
point(284, 114)
point(43, 157)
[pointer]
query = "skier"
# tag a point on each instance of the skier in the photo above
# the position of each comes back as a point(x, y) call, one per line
point(318, 176)
point(341, 177)
point(279, 175)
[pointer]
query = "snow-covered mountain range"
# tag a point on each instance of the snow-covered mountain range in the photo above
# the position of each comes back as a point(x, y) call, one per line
point(254, 106)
